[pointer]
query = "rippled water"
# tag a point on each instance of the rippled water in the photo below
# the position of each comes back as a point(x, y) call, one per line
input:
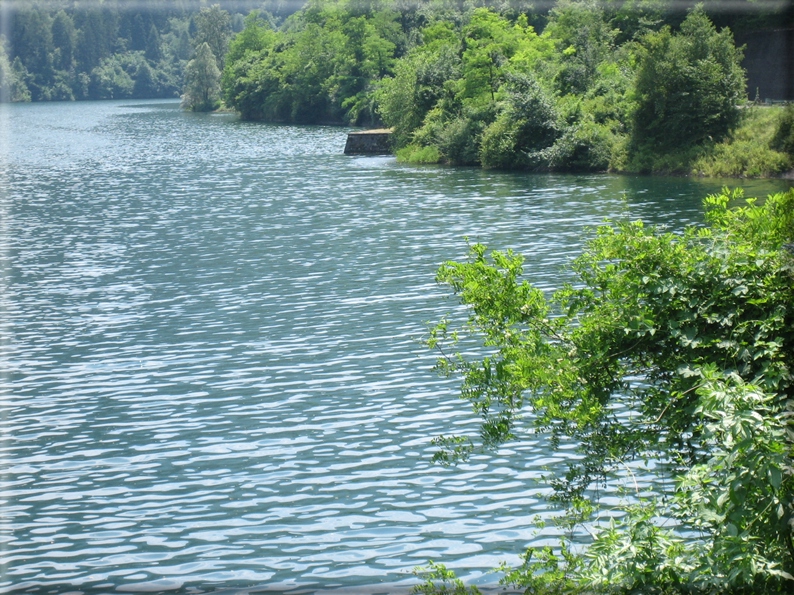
point(212, 368)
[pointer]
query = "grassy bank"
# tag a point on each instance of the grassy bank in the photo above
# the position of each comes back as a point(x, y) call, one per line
point(750, 152)
point(747, 153)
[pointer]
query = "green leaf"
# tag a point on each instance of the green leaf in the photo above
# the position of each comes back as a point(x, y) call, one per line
point(775, 477)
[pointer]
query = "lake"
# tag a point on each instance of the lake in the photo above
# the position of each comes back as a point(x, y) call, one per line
point(213, 374)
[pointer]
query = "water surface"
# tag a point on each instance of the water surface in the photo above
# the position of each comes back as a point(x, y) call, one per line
point(212, 366)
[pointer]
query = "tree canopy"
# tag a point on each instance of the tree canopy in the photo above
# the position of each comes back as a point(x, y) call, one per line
point(599, 104)
point(672, 347)
point(71, 50)
point(202, 81)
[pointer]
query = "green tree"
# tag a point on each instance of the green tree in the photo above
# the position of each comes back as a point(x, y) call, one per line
point(20, 81)
point(584, 39)
point(367, 56)
point(693, 334)
point(634, 18)
point(525, 129)
point(213, 27)
point(320, 67)
point(64, 38)
point(246, 82)
point(784, 135)
point(98, 30)
point(111, 80)
point(202, 81)
point(256, 36)
point(145, 82)
point(139, 31)
point(12, 86)
point(31, 42)
point(153, 50)
point(483, 61)
point(688, 87)
point(175, 38)
point(421, 79)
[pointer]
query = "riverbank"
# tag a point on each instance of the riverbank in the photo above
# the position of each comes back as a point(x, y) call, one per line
point(747, 153)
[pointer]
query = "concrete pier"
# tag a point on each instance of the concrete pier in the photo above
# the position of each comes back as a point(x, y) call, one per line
point(369, 142)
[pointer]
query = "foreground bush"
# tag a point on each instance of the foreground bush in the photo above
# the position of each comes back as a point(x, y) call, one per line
point(694, 334)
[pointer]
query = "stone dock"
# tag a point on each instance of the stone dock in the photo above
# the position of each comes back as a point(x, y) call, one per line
point(369, 142)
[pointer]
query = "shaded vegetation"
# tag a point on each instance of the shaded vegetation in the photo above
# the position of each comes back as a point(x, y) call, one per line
point(65, 50)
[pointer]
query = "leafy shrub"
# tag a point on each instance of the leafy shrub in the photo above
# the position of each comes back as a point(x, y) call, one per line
point(202, 81)
point(585, 40)
point(585, 146)
point(749, 151)
point(111, 80)
point(784, 135)
point(527, 126)
point(688, 86)
point(417, 154)
point(459, 140)
point(746, 159)
point(419, 82)
point(440, 581)
point(456, 136)
point(693, 333)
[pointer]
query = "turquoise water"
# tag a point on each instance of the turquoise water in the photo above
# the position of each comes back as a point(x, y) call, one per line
point(212, 370)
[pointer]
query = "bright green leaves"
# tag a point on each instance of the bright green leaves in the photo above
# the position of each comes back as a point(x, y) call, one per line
point(498, 300)
point(585, 39)
point(489, 43)
point(257, 36)
point(514, 322)
point(742, 493)
point(770, 227)
point(320, 67)
point(693, 333)
point(449, 90)
point(784, 132)
point(609, 88)
point(213, 27)
point(440, 581)
point(524, 131)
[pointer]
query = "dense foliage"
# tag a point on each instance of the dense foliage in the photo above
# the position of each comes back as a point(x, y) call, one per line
point(202, 79)
point(573, 85)
point(784, 135)
point(63, 50)
point(320, 67)
point(594, 85)
point(675, 348)
point(688, 86)
point(573, 97)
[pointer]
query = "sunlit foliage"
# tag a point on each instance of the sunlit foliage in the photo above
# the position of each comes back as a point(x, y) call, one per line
point(202, 81)
point(691, 333)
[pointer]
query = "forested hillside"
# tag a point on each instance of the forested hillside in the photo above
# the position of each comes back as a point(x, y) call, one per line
point(567, 85)
point(56, 50)
point(646, 85)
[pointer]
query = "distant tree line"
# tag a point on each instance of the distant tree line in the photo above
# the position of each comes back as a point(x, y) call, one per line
point(63, 50)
